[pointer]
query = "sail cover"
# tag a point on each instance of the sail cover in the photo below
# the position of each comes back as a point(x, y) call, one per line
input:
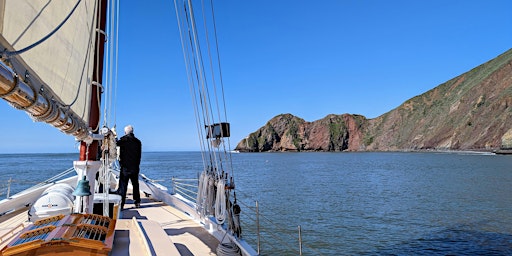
point(62, 64)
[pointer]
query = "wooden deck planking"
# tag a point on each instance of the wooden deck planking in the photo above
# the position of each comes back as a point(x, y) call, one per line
point(188, 236)
point(12, 224)
point(162, 227)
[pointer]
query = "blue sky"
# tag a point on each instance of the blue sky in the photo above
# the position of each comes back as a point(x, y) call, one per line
point(307, 58)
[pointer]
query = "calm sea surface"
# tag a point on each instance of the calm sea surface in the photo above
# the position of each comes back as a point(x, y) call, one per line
point(345, 203)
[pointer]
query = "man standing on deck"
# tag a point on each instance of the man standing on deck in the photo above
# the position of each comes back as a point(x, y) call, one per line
point(129, 159)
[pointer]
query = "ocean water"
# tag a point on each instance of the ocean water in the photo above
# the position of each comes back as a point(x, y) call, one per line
point(344, 203)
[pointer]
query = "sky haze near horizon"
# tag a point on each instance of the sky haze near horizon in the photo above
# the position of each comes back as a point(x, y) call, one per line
point(308, 59)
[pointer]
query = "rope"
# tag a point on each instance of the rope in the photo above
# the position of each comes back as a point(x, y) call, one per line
point(206, 194)
point(12, 53)
point(228, 249)
point(8, 54)
point(237, 229)
point(220, 202)
point(117, 58)
point(105, 174)
point(112, 55)
point(216, 44)
point(84, 66)
point(201, 194)
point(198, 80)
point(210, 198)
point(204, 76)
point(186, 57)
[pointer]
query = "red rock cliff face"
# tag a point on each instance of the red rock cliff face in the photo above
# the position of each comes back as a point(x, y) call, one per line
point(289, 133)
point(470, 112)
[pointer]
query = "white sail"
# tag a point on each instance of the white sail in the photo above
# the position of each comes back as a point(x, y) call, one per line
point(62, 64)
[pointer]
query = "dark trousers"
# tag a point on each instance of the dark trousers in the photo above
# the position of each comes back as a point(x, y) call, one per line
point(125, 175)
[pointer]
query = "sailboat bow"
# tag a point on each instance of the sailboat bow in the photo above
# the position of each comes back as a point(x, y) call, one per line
point(52, 59)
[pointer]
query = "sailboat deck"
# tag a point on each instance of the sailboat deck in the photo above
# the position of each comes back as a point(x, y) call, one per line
point(12, 223)
point(166, 230)
point(153, 229)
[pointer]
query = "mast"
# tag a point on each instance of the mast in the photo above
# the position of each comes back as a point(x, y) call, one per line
point(94, 115)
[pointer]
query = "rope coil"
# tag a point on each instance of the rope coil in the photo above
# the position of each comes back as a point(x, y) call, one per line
point(227, 249)
point(220, 202)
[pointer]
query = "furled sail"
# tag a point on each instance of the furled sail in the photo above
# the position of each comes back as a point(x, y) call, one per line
point(48, 51)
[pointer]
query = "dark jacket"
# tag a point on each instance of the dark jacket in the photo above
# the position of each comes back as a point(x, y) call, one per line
point(131, 151)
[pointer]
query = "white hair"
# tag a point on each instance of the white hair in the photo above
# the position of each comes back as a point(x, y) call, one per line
point(128, 129)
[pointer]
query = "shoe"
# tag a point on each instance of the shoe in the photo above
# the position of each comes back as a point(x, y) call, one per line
point(137, 205)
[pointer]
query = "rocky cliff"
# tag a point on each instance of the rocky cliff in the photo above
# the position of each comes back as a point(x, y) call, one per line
point(290, 133)
point(470, 112)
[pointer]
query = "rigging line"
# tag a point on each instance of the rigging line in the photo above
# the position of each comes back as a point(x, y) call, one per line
point(218, 59)
point(187, 64)
point(199, 68)
point(220, 73)
point(227, 157)
point(201, 98)
point(202, 89)
point(210, 57)
point(68, 66)
point(12, 53)
point(86, 61)
point(111, 63)
point(107, 60)
point(199, 64)
point(117, 61)
point(186, 58)
point(31, 23)
point(221, 82)
point(208, 102)
point(87, 89)
point(193, 68)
